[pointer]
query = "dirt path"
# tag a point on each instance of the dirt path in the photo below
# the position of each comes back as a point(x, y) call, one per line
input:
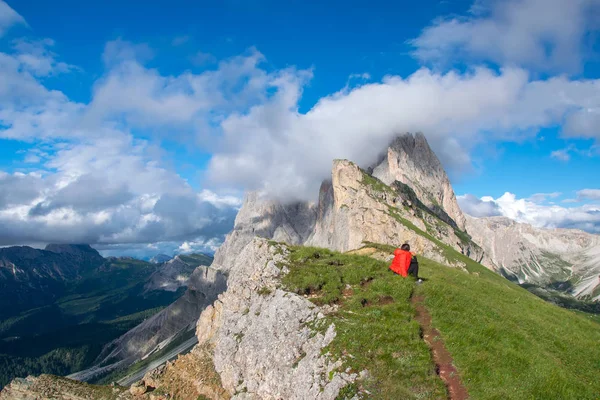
point(441, 355)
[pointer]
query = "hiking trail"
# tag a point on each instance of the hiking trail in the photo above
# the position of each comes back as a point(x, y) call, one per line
point(441, 356)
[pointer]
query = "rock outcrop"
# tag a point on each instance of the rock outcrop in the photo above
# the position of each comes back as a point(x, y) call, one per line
point(173, 274)
point(355, 208)
point(263, 345)
point(261, 217)
point(541, 257)
point(410, 160)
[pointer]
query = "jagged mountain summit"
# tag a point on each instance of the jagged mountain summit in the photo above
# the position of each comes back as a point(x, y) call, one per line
point(160, 258)
point(410, 161)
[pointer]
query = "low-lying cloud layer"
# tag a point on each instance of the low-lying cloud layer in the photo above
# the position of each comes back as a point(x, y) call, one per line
point(108, 192)
point(537, 211)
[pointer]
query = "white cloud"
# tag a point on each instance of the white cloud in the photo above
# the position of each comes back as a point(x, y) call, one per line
point(109, 192)
point(201, 58)
point(585, 217)
point(542, 197)
point(119, 51)
point(9, 18)
point(249, 117)
point(271, 147)
point(562, 155)
point(36, 57)
point(566, 153)
point(547, 35)
point(97, 183)
point(477, 207)
point(201, 246)
point(589, 194)
point(28, 109)
point(145, 98)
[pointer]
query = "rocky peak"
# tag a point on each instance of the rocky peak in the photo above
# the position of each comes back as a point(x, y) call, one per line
point(260, 216)
point(566, 259)
point(410, 160)
point(73, 249)
point(355, 208)
point(176, 272)
point(160, 258)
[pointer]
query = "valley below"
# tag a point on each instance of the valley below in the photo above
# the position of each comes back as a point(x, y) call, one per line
point(84, 312)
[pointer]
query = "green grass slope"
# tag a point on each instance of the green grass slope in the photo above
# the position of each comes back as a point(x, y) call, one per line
point(375, 322)
point(506, 342)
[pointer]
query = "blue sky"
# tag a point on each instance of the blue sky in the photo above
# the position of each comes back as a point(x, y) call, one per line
point(151, 105)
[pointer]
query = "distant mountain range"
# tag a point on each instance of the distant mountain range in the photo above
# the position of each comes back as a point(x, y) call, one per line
point(32, 278)
point(59, 306)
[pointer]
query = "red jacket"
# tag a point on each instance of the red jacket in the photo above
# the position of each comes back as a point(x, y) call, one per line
point(401, 262)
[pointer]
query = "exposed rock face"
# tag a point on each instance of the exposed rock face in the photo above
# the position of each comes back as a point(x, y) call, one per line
point(263, 348)
point(355, 208)
point(160, 258)
point(191, 376)
point(258, 217)
point(261, 217)
point(410, 160)
point(172, 275)
point(540, 256)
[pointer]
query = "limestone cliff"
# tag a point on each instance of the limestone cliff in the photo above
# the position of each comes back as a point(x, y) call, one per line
point(263, 345)
point(355, 208)
point(261, 217)
point(410, 160)
point(567, 259)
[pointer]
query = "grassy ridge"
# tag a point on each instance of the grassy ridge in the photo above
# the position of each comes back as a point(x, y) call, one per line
point(375, 322)
point(509, 344)
point(506, 342)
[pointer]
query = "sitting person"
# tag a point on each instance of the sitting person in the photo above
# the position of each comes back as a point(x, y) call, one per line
point(405, 263)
